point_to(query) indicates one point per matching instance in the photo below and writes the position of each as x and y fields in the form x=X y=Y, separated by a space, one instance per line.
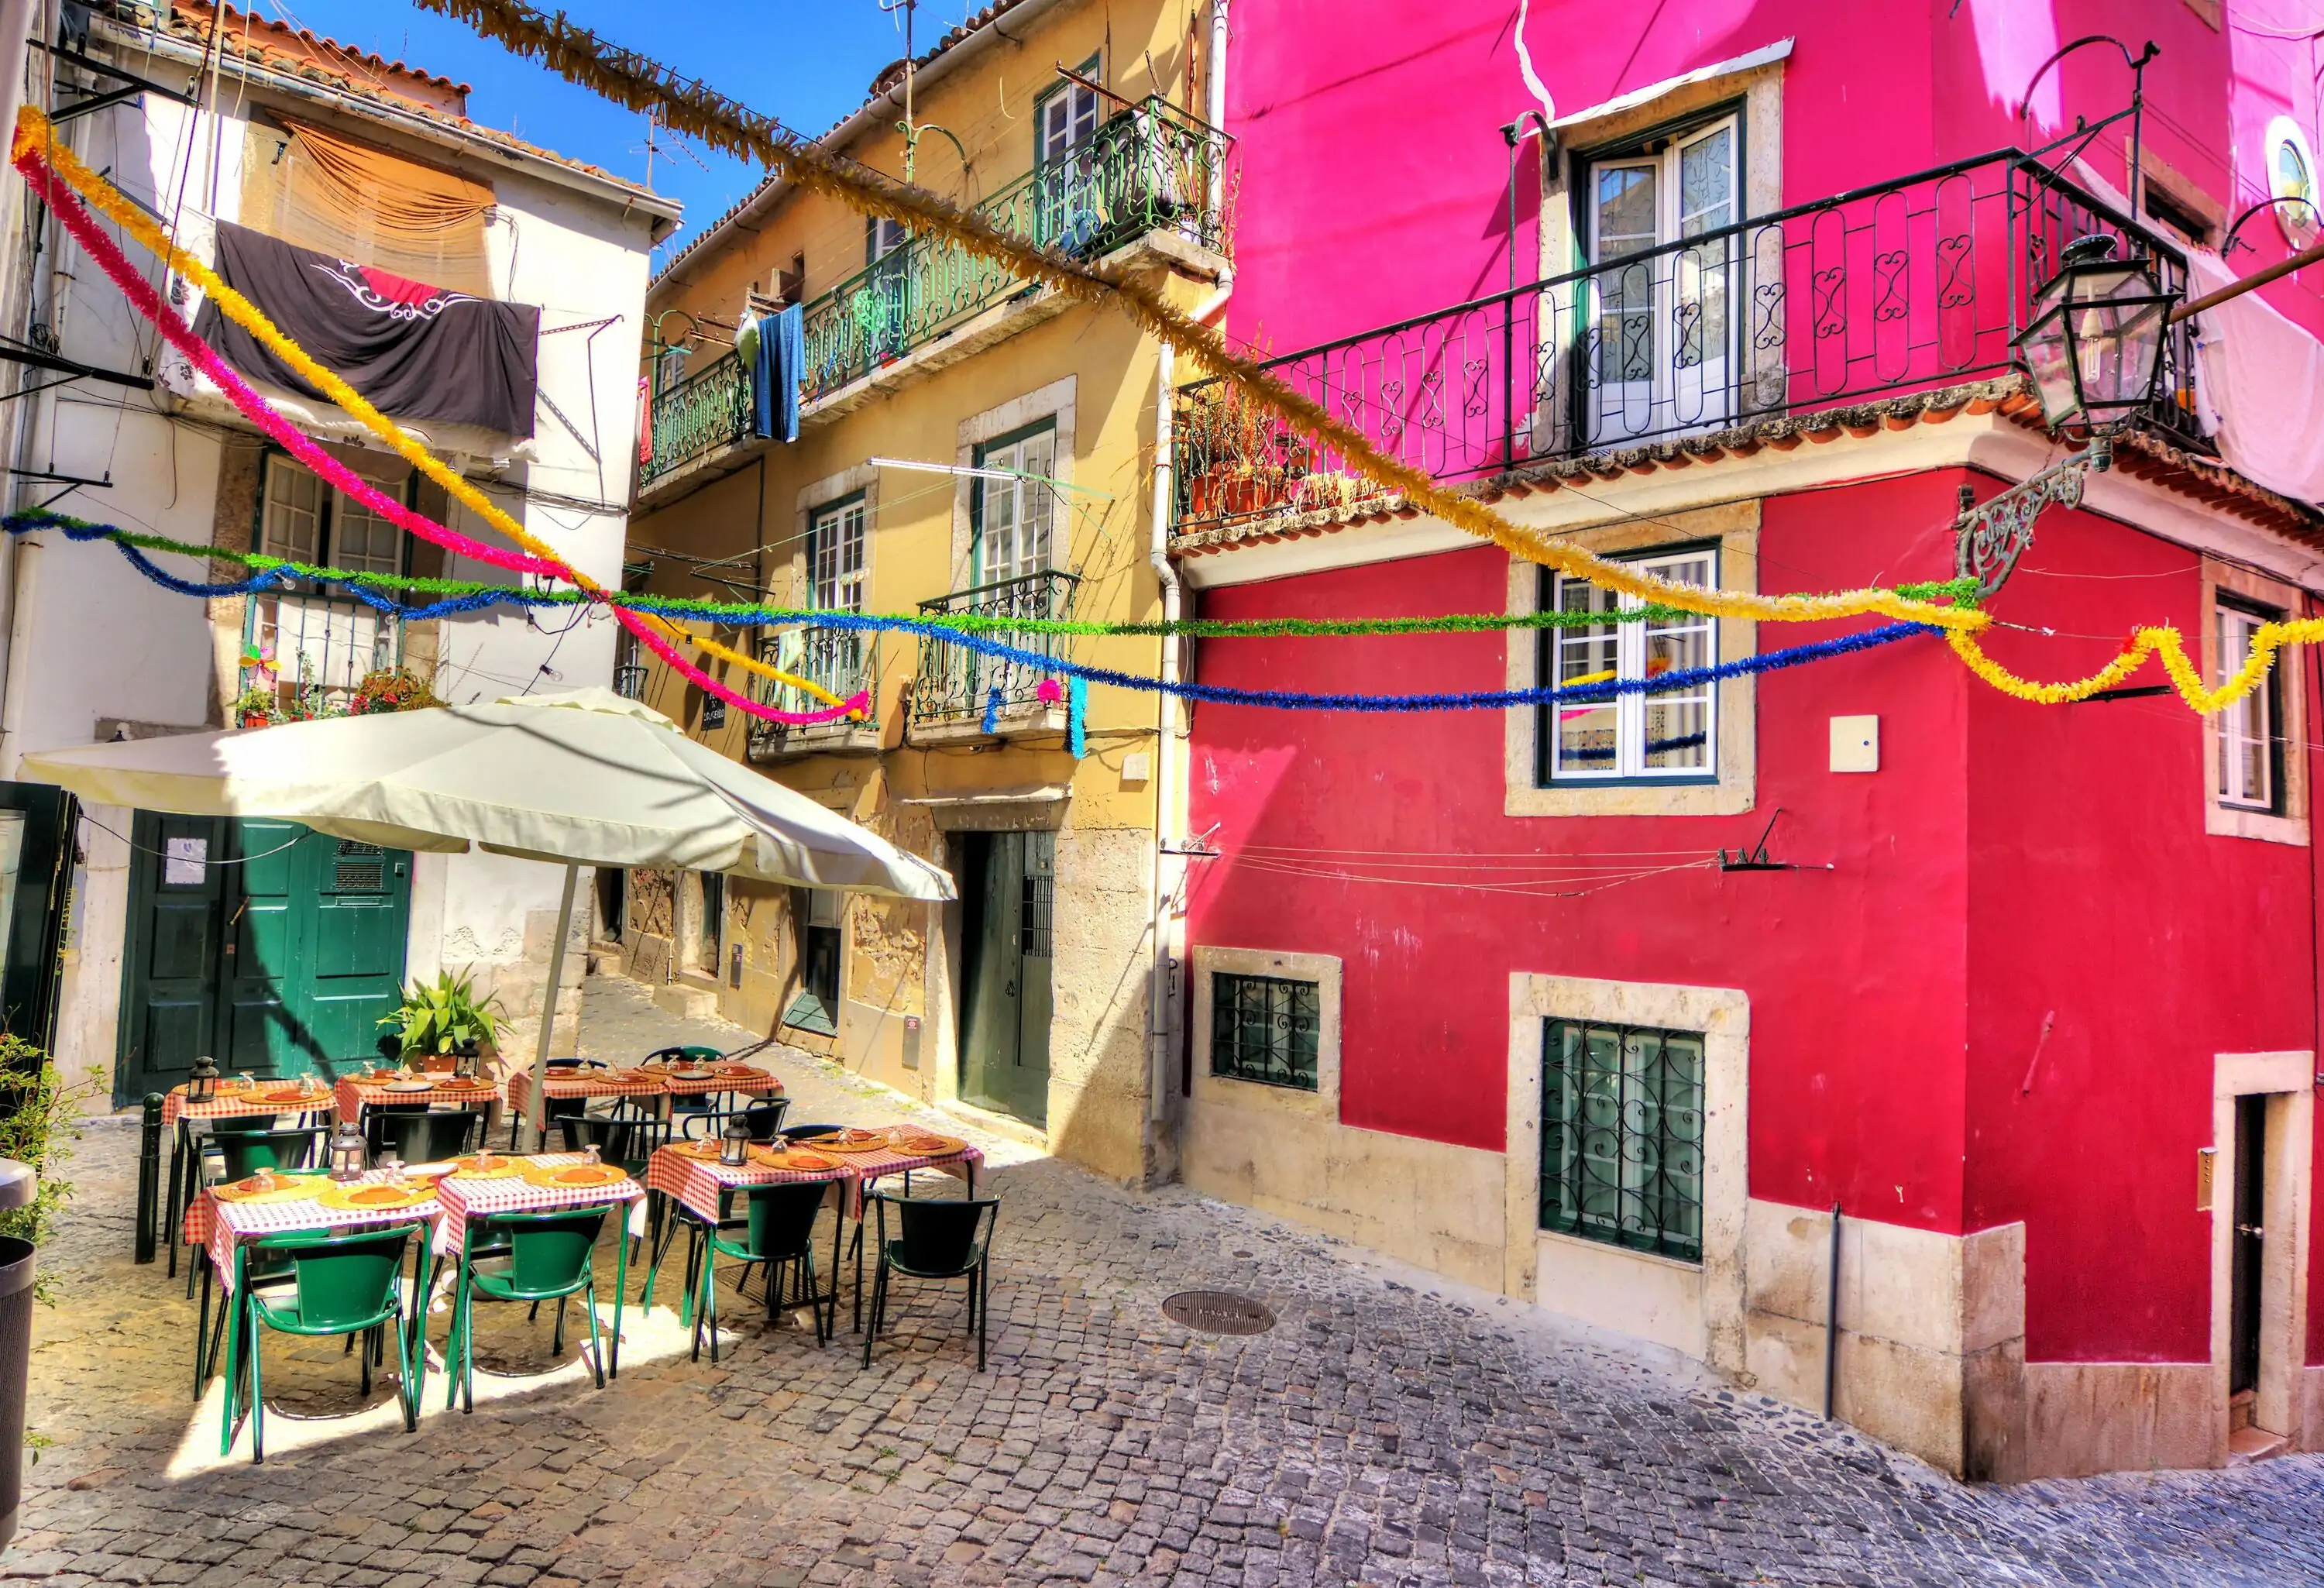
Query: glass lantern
x=201 y=1083
x=346 y=1153
x=734 y=1144
x=2094 y=346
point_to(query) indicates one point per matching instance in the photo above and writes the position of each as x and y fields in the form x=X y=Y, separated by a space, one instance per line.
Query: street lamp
x=2095 y=346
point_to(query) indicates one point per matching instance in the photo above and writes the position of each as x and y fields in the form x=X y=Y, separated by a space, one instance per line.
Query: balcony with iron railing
x=307 y=655
x=1148 y=169
x=1906 y=287
x=846 y=661
x=959 y=689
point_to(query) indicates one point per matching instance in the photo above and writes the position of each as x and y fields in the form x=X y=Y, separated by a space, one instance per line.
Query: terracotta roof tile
x=2140 y=455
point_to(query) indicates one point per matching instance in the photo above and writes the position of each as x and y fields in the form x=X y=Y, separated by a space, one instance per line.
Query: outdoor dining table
x=233 y=1099
x=638 y=1083
x=227 y=1227
x=401 y=1088
x=695 y=1178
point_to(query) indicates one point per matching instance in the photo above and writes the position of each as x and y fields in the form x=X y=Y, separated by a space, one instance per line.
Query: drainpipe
x=1169 y=810
x=1214 y=108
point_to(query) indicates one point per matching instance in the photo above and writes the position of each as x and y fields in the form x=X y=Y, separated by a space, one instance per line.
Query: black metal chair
x=935 y=1240
x=422 y=1135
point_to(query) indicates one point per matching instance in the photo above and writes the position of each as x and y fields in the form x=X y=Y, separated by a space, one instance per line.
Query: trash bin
x=18 y=1183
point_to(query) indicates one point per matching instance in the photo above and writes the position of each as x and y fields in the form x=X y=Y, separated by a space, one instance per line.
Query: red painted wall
x=2006 y=861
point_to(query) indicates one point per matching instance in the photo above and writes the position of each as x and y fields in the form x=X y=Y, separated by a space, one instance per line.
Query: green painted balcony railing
x=957 y=683
x=1148 y=168
x=843 y=660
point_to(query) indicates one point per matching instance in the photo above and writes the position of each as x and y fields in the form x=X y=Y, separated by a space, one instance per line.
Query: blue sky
x=807 y=62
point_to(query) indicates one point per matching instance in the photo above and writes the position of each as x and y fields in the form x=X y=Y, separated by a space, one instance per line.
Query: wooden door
x=272 y=947
x=359 y=900
x=1007 y=909
x=2247 y=1246
x=172 y=956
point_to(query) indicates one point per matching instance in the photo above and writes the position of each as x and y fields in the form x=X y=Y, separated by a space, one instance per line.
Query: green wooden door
x=1007 y=911
x=360 y=900
x=270 y=946
x=172 y=956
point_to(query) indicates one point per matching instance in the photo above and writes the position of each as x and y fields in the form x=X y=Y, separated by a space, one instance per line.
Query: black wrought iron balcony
x=1909 y=286
x=957 y=684
x=1148 y=168
x=844 y=661
x=629 y=681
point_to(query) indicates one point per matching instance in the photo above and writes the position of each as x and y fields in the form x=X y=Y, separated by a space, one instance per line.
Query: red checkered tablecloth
x=696 y=1182
x=240 y=1105
x=750 y=1082
x=584 y=1083
x=462 y=1198
x=223 y=1226
x=354 y=1095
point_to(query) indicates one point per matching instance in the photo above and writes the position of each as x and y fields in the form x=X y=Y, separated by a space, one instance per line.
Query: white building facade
x=274 y=952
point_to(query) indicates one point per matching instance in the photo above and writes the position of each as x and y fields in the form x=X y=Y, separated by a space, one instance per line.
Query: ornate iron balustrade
x=309 y=654
x=1148 y=168
x=1908 y=286
x=956 y=682
x=700 y=413
x=843 y=660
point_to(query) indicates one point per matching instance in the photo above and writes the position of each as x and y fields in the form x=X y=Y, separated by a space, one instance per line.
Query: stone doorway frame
x=2288 y=1081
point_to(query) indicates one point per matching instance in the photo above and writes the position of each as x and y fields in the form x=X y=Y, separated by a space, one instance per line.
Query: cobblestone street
x=1389 y=1430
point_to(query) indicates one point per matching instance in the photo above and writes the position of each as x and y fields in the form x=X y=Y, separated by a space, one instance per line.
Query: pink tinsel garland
x=143 y=296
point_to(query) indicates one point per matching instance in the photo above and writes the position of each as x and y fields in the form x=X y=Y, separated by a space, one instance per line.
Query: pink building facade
x=2027 y=993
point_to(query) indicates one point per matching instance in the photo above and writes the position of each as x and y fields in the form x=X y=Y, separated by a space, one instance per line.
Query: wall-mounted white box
x=1855 y=744
x=1136 y=767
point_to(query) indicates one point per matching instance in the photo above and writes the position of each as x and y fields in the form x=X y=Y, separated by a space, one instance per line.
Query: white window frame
x=300 y=516
x=2247 y=723
x=1631 y=642
x=1066 y=117
x=1032 y=530
x=836 y=565
x=2284 y=819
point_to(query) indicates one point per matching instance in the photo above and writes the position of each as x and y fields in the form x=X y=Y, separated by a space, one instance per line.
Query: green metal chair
x=548 y=1256
x=935 y=1239
x=698 y=1109
x=777 y=1229
x=253 y=1144
x=348 y=1284
x=260 y=1268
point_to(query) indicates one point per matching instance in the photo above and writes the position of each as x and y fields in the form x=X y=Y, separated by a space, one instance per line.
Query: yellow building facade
x=966 y=444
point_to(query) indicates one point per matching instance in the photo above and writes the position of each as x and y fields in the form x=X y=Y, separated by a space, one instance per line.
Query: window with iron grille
x=1263 y=1029
x=1622 y=1136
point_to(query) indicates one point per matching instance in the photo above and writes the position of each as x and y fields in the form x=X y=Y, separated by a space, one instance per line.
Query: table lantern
x=466 y=1059
x=201 y=1086
x=734 y=1144
x=347 y=1153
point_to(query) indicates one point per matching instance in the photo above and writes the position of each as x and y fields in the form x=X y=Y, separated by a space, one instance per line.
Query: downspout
x=1169 y=808
x=16 y=18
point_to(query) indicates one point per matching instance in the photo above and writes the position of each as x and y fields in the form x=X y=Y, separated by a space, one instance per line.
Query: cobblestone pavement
x=1390 y=1430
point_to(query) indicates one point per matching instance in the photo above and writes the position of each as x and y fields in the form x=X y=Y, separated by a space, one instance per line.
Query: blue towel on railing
x=775 y=375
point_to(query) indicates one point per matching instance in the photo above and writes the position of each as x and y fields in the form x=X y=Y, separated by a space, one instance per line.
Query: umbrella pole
x=540 y=1096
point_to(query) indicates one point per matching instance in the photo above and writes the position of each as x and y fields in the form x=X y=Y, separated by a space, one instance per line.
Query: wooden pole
x=540 y=1098
x=2258 y=278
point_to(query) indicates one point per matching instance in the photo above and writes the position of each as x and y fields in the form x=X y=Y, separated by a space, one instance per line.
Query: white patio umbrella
x=585 y=778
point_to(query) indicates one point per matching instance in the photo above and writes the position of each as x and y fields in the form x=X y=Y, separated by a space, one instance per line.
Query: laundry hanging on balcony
x=415 y=351
x=773 y=349
x=2256 y=374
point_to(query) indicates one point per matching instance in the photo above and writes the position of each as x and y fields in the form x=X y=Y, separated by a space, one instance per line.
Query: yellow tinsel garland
x=33 y=129
x=2143 y=644
x=635 y=80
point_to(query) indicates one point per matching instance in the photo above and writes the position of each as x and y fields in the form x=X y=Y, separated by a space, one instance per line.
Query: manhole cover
x=1218 y=1312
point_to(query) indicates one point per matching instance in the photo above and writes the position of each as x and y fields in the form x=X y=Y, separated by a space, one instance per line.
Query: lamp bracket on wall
x=1990 y=535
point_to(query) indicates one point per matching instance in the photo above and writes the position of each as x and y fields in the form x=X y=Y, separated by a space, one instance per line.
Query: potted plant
x=256 y=707
x=392 y=689
x=438 y=1019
